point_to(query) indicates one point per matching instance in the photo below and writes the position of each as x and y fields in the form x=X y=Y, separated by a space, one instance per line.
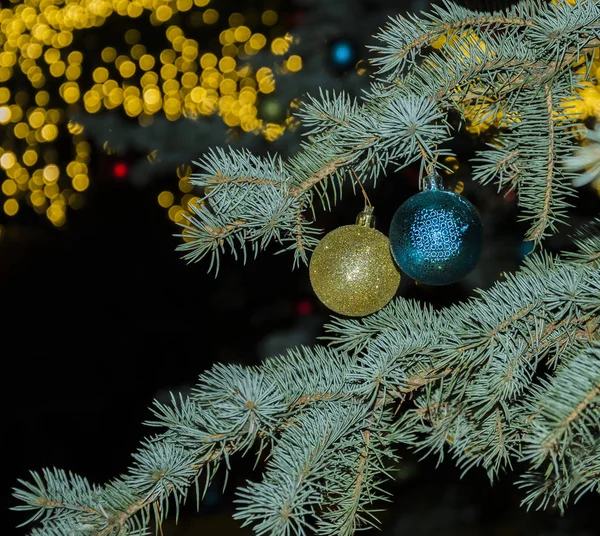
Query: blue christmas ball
x=436 y=237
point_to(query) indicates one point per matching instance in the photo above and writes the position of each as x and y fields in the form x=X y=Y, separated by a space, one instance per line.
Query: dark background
x=102 y=316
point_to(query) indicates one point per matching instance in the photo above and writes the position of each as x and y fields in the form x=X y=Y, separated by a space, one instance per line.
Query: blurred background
x=104 y=104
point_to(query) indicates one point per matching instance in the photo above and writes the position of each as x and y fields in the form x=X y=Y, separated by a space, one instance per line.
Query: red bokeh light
x=120 y=170
x=304 y=307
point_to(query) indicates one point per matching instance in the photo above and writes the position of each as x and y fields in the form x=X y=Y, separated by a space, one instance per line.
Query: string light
x=36 y=41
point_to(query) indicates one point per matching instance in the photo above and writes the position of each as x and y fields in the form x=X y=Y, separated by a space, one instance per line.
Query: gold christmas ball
x=352 y=271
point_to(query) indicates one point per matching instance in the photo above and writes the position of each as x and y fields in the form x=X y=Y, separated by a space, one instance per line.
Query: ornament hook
x=366 y=218
x=367 y=200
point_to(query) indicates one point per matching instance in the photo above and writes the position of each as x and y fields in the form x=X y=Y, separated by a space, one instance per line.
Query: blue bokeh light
x=343 y=54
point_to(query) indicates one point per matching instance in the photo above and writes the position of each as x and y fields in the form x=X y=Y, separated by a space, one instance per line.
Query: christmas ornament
x=436 y=236
x=343 y=54
x=352 y=271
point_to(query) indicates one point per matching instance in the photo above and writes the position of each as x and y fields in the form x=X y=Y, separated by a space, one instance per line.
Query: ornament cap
x=366 y=218
x=433 y=181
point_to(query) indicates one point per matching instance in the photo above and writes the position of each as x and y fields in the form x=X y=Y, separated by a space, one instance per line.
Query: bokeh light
x=44 y=50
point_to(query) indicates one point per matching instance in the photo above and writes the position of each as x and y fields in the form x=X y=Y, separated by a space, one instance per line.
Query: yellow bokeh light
x=133 y=106
x=56 y=215
x=210 y=16
x=11 y=207
x=263 y=72
x=134 y=10
x=189 y=80
x=227 y=37
x=37 y=198
x=208 y=60
x=168 y=71
x=80 y=182
x=127 y=69
x=242 y=34
x=53 y=116
x=30 y=157
x=198 y=94
x=172 y=106
x=184 y=5
x=7 y=160
x=21 y=130
x=115 y=97
x=185 y=185
x=280 y=46
x=294 y=63
x=108 y=54
x=73 y=72
x=49 y=132
x=42 y=98
x=176 y=213
x=166 y=199
x=57 y=69
x=40 y=41
x=149 y=78
x=71 y=94
x=164 y=13
x=100 y=75
x=5 y=114
x=227 y=64
x=64 y=39
x=173 y=32
x=269 y=17
x=236 y=19
x=9 y=187
x=51 y=56
x=132 y=36
x=258 y=41
x=152 y=96
x=189 y=53
x=227 y=87
x=51 y=173
x=147 y=62
x=167 y=56
x=36 y=119
x=51 y=191
x=75 y=57
x=137 y=51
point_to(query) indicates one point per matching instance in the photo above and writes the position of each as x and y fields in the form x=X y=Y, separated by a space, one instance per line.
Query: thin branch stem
x=537 y=232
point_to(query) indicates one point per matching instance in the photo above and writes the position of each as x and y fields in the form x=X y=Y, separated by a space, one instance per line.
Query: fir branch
x=320 y=174
x=458 y=376
x=543 y=219
x=405 y=37
x=564 y=433
x=498 y=60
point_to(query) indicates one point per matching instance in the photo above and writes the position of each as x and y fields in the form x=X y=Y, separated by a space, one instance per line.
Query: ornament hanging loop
x=367 y=200
x=429 y=169
x=366 y=218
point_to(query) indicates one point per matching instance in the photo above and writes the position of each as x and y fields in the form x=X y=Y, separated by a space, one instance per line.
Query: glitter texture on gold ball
x=352 y=271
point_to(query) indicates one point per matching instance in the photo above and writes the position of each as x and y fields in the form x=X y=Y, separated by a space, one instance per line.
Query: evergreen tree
x=507 y=382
